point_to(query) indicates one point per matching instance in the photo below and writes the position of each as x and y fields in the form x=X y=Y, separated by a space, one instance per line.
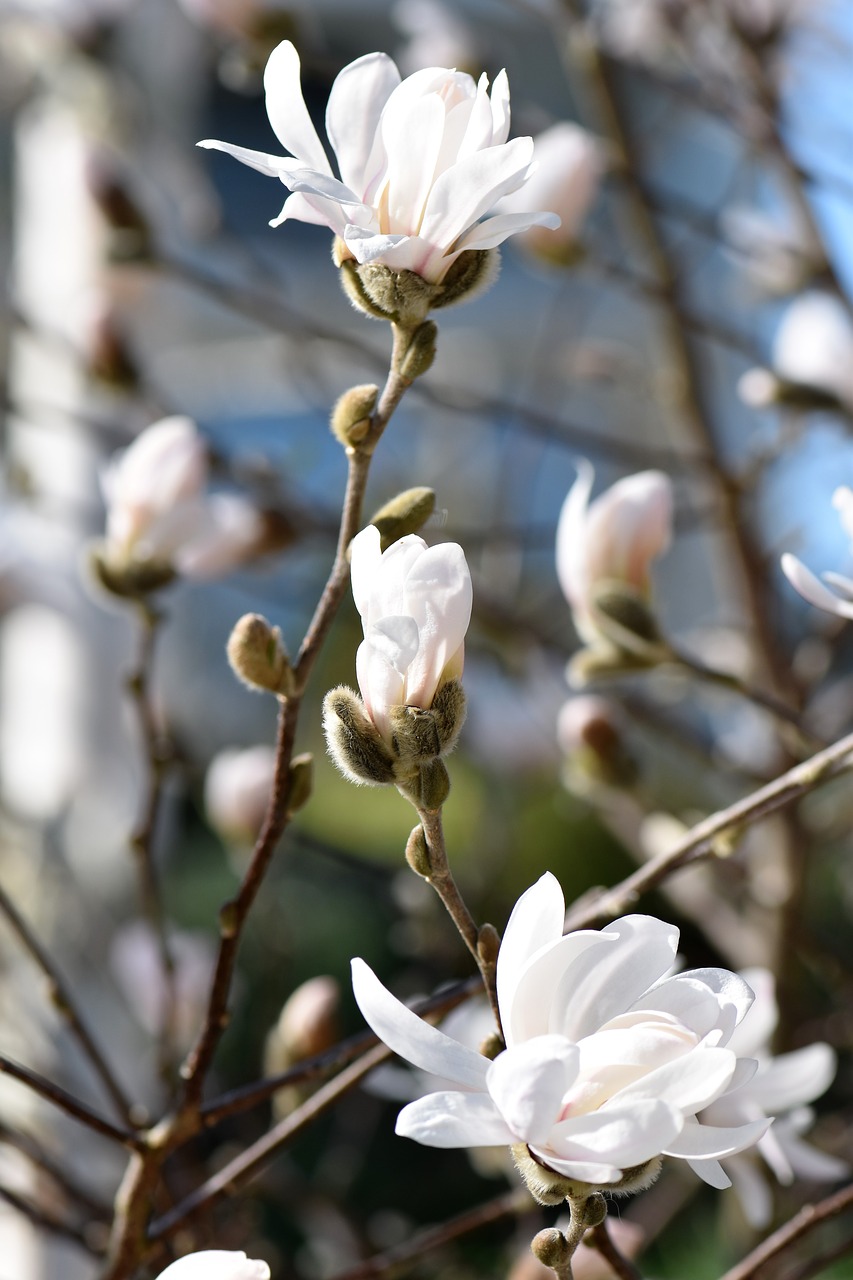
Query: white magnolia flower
x=216 y=1264
x=158 y=508
x=813 y=346
x=237 y=789
x=421 y=161
x=780 y=1088
x=612 y=540
x=415 y=606
x=569 y=165
x=608 y=1059
x=810 y=587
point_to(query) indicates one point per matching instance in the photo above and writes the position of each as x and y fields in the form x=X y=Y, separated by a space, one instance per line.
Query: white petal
x=794 y=1078
x=733 y=996
x=528 y=1082
x=216 y=1264
x=365 y=555
x=689 y=1001
x=355 y=105
x=411 y=169
x=707 y=1141
x=623 y=1136
x=305 y=208
x=396 y=639
x=411 y=1037
x=381 y=684
x=395 y=251
x=812 y=589
x=287 y=110
x=840 y=582
x=500 y=109
x=270 y=165
x=752 y=1190
x=712 y=1172
x=571 y=540
x=687 y=1083
x=438 y=595
x=454 y=1120
x=493 y=231
x=754 y=1033
x=537 y=919
x=465 y=192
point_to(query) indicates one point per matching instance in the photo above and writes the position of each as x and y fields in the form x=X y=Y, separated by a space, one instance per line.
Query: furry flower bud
x=258 y=657
x=407 y=513
x=352 y=412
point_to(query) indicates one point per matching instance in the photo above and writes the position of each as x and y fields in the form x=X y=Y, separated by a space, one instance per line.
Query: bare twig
x=70 y=1105
x=621 y=1266
x=783 y=1240
x=47 y=1222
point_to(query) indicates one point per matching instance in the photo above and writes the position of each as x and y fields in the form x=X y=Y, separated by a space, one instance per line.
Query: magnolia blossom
x=612 y=540
x=237 y=789
x=216 y=1264
x=569 y=163
x=421 y=161
x=810 y=587
x=780 y=1088
x=415 y=606
x=813 y=346
x=158 y=508
x=608 y=1060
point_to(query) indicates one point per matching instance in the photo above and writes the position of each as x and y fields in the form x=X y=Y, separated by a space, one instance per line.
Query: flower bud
x=552 y=1249
x=420 y=353
x=237 y=791
x=433 y=785
x=590 y=734
x=258 y=657
x=417 y=853
x=308 y=1022
x=129 y=580
x=488 y=944
x=352 y=413
x=473 y=272
x=301 y=782
x=353 y=741
x=625 y=619
x=407 y=513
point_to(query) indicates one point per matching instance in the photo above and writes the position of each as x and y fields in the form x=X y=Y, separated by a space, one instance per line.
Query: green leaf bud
x=353 y=741
x=420 y=353
x=301 y=781
x=407 y=513
x=258 y=657
x=552 y=1249
x=417 y=853
x=352 y=413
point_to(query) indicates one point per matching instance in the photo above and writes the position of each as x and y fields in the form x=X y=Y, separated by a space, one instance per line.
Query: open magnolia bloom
x=216 y=1264
x=781 y=1088
x=160 y=515
x=608 y=1060
x=420 y=161
x=810 y=587
x=609 y=544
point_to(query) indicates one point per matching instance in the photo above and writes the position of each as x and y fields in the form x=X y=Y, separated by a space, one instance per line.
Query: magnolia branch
x=66 y=1102
x=700 y=840
x=783 y=1240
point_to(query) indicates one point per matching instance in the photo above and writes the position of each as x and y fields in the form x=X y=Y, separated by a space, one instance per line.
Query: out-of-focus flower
x=216 y=1264
x=75 y=16
x=780 y=1088
x=234 y=17
x=237 y=791
x=608 y=1060
x=810 y=587
x=591 y=736
x=813 y=346
x=437 y=36
x=775 y=249
x=136 y=964
x=607 y=546
x=421 y=161
x=415 y=606
x=569 y=166
x=160 y=517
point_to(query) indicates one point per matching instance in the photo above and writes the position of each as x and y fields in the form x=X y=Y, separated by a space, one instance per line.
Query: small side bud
x=353 y=741
x=414 y=736
x=488 y=944
x=434 y=785
x=407 y=513
x=308 y=1022
x=491 y=1046
x=352 y=413
x=132 y=579
x=592 y=1211
x=352 y=286
x=419 y=355
x=301 y=781
x=552 y=1249
x=473 y=272
x=544 y=1184
x=228 y=920
x=258 y=657
x=449 y=708
x=417 y=853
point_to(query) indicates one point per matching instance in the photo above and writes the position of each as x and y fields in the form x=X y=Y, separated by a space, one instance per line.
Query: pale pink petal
x=812 y=589
x=707 y=1141
x=537 y=919
x=527 y=1084
x=352 y=118
x=840 y=582
x=411 y=169
x=301 y=207
x=480 y=125
x=412 y=1038
x=454 y=1120
x=287 y=110
x=399 y=252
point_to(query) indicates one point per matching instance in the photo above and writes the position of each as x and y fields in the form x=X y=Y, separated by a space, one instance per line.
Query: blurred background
x=693 y=316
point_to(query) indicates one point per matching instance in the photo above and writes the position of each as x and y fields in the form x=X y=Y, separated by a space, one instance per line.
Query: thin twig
x=27 y=1145
x=599 y=1238
x=66 y=1102
x=63 y=1000
x=700 y=840
x=41 y=1218
x=811 y=1216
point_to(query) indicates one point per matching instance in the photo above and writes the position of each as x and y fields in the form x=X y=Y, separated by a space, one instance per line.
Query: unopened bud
x=592 y=1211
x=552 y=1249
x=449 y=709
x=301 y=781
x=488 y=944
x=491 y=1046
x=420 y=353
x=601 y=662
x=407 y=513
x=258 y=657
x=353 y=741
x=474 y=271
x=308 y=1022
x=417 y=853
x=544 y=1184
x=434 y=784
x=626 y=620
x=590 y=734
x=352 y=412
x=130 y=579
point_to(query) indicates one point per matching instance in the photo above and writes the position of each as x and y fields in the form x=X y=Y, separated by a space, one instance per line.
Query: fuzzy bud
x=488 y=944
x=352 y=413
x=626 y=620
x=552 y=1249
x=353 y=741
x=419 y=355
x=472 y=273
x=433 y=784
x=407 y=513
x=258 y=657
x=406 y=298
x=301 y=781
x=417 y=853
x=131 y=579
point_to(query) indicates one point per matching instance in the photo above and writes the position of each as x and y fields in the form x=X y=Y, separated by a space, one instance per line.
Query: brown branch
x=62 y=999
x=599 y=1238
x=700 y=840
x=811 y=1216
x=395 y=1260
x=66 y=1102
